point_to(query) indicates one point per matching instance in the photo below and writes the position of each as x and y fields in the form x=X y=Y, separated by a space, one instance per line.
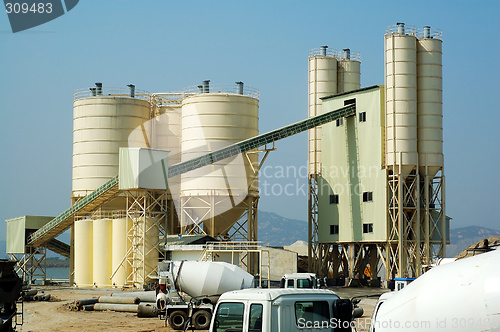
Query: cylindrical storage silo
x=102 y=249
x=430 y=102
x=101 y=125
x=151 y=253
x=83 y=253
x=348 y=72
x=322 y=83
x=216 y=193
x=401 y=99
x=121 y=244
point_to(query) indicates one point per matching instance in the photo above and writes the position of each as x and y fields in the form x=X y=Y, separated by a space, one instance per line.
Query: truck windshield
x=229 y=317
x=304 y=283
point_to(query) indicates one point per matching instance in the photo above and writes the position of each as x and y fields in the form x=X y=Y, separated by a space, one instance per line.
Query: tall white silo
x=83 y=253
x=121 y=245
x=401 y=98
x=101 y=125
x=103 y=119
x=102 y=252
x=322 y=82
x=216 y=194
x=430 y=101
x=348 y=71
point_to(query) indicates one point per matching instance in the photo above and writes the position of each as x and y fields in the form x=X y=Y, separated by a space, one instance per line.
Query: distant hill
x=463 y=237
x=280 y=231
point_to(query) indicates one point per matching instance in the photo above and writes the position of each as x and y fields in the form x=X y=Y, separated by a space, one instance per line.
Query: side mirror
x=357 y=312
x=342 y=313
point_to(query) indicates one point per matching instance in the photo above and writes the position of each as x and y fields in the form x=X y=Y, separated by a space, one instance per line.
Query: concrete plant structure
x=377 y=191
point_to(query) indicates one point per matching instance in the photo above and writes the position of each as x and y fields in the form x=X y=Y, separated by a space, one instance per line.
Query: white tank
x=101 y=125
x=83 y=253
x=430 y=101
x=322 y=83
x=121 y=244
x=460 y=296
x=401 y=98
x=210 y=278
x=211 y=121
x=102 y=251
x=348 y=72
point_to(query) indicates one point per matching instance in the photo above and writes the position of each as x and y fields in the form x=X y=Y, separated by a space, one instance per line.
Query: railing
x=109 y=91
x=409 y=30
x=353 y=56
x=57 y=221
x=216 y=88
x=430 y=33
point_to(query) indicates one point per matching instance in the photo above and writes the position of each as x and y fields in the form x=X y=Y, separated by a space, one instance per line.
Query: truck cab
x=299 y=280
x=281 y=310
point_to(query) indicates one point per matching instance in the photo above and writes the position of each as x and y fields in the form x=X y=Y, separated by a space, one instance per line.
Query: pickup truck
x=282 y=310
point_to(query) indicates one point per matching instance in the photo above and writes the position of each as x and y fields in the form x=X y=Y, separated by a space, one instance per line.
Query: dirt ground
x=55 y=315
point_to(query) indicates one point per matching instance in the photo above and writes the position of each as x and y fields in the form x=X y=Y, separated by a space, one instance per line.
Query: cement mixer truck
x=189 y=290
x=460 y=296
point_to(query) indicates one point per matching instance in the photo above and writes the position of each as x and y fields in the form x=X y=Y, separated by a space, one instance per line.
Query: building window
x=362 y=117
x=334 y=199
x=368 y=196
x=334 y=229
x=340 y=122
x=349 y=101
x=367 y=228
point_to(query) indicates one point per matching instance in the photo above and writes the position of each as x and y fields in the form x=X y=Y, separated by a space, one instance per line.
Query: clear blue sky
x=167 y=45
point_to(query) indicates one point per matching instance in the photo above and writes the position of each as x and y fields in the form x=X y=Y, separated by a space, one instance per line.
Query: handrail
x=110 y=92
x=218 y=88
x=318 y=52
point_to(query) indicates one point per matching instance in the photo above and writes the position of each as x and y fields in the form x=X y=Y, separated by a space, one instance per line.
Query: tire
x=177 y=319
x=201 y=320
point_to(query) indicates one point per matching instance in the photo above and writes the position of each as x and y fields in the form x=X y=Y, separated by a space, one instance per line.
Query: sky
x=164 y=46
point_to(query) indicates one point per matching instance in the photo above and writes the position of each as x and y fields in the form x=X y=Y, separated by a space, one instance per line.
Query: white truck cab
x=281 y=310
x=299 y=280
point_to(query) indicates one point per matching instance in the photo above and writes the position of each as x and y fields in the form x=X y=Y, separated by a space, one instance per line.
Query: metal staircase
x=63 y=221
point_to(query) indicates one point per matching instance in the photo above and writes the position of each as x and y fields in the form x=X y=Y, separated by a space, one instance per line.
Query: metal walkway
x=63 y=221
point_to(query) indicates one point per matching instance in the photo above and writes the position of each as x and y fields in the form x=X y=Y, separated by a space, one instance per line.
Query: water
x=57 y=273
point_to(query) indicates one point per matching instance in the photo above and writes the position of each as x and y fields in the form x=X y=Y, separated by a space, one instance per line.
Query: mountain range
x=277 y=230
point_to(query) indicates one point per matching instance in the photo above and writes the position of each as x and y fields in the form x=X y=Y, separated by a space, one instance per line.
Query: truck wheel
x=201 y=320
x=177 y=319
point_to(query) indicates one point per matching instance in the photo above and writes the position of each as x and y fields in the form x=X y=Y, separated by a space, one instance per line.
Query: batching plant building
x=377 y=204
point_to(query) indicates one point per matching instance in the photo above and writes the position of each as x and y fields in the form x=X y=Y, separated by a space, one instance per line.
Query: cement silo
x=348 y=71
x=401 y=98
x=217 y=195
x=430 y=101
x=103 y=119
x=322 y=83
x=101 y=125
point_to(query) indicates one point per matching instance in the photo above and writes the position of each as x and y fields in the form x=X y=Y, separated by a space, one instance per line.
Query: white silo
x=101 y=125
x=102 y=252
x=401 y=98
x=83 y=253
x=216 y=194
x=322 y=83
x=103 y=119
x=121 y=244
x=349 y=71
x=430 y=101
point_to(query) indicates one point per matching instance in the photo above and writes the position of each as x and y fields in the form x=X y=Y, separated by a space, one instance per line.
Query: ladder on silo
x=63 y=221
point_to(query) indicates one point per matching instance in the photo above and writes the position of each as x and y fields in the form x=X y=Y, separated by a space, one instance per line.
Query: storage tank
x=217 y=192
x=102 y=251
x=121 y=244
x=322 y=83
x=348 y=71
x=83 y=253
x=430 y=101
x=401 y=98
x=102 y=123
